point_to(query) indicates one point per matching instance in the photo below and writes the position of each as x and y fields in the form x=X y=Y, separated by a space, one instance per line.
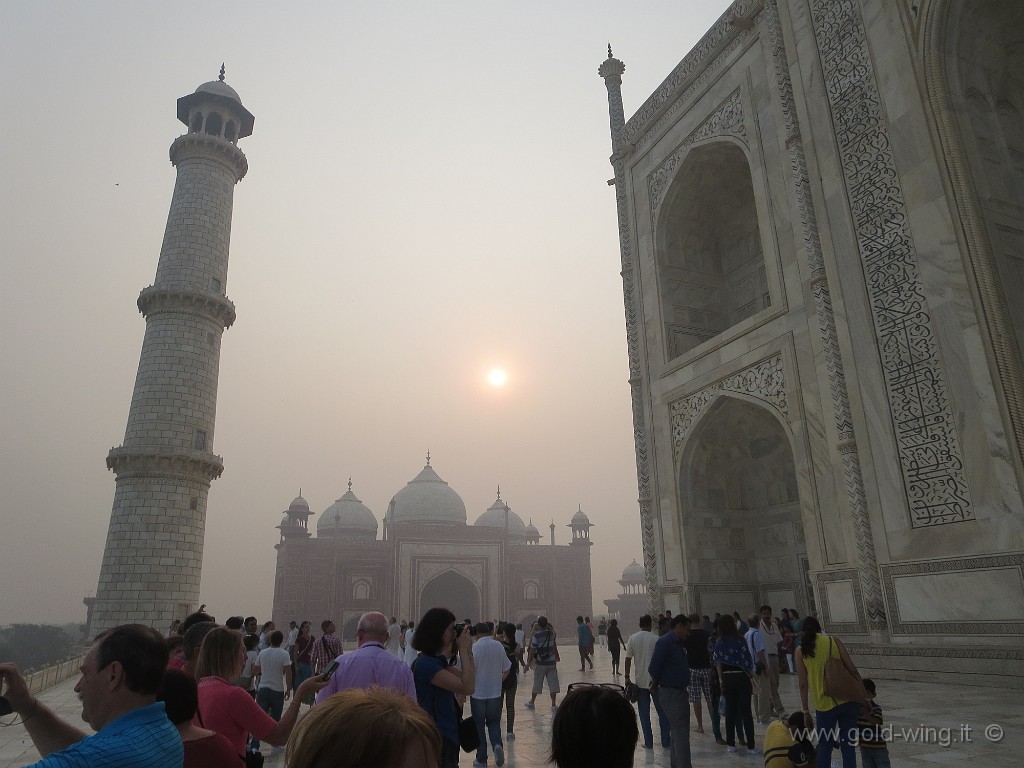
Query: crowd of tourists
x=415 y=694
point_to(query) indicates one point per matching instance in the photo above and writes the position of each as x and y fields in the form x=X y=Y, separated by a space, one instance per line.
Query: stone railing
x=42 y=679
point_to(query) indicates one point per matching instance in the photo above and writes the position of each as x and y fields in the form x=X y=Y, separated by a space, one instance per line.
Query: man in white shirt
x=755 y=644
x=520 y=645
x=768 y=700
x=492 y=667
x=639 y=650
x=293 y=635
x=274 y=667
x=394 y=646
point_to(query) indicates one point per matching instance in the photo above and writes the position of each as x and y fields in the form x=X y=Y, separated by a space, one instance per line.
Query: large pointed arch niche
x=740 y=509
x=453 y=591
x=988 y=99
x=711 y=267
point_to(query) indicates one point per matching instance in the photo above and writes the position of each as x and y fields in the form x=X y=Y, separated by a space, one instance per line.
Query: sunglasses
x=610 y=686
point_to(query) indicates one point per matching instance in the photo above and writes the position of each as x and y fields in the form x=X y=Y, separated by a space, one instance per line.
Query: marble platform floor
x=932 y=724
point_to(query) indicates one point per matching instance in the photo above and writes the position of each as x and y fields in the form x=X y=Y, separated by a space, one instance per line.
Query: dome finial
x=300 y=490
x=428 y=457
x=610 y=51
x=499 y=491
x=221 y=78
x=350 y=482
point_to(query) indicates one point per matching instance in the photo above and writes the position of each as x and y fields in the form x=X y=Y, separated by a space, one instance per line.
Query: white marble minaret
x=154 y=550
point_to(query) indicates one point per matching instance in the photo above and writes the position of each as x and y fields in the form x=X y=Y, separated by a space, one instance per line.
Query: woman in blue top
x=735 y=668
x=437 y=682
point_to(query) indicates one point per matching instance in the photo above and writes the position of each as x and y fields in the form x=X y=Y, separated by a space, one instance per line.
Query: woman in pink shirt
x=228 y=709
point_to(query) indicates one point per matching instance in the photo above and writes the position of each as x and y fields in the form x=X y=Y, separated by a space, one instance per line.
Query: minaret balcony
x=154 y=299
x=214 y=147
x=150 y=460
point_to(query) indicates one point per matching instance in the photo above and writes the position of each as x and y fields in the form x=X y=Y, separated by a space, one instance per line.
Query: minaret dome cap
x=220 y=88
x=217 y=93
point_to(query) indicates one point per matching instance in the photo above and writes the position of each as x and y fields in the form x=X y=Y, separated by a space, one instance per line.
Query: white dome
x=219 y=88
x=347 y=517
x=299 y=504
x=494 y=517
x=428 y=499
x=634 y=573
x=285 y=521
x=531 y=531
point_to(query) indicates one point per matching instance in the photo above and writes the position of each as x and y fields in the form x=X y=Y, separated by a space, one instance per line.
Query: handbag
x=840 y=682
x=469 y=739
x=253 y=759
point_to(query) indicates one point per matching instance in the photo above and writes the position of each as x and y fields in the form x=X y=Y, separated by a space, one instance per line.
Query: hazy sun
x=497 y=377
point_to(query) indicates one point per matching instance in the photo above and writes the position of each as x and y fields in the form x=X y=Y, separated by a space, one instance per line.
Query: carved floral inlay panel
x=764 y=381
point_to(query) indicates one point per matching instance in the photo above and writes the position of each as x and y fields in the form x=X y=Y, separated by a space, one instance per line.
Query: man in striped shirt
x=327 y=648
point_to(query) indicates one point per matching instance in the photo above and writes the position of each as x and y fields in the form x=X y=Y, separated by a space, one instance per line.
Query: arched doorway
x=741 y=521
x=453 y=591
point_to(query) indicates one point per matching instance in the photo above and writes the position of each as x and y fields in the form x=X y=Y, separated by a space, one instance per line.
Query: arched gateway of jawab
x=821 y=220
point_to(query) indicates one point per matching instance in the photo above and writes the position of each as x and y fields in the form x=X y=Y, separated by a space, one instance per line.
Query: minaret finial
x=610 y=51
x=221 y=78
x=499 y=490
x=428 y=457
x=350 y=482
x=300 y=490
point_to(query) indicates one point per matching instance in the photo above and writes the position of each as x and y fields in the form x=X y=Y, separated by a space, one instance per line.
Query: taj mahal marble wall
x=832 y=418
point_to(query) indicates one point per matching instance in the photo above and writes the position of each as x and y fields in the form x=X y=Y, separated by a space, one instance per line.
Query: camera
x=460 y=628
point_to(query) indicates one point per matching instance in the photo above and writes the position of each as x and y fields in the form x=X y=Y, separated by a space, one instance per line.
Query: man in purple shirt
x=371 y=663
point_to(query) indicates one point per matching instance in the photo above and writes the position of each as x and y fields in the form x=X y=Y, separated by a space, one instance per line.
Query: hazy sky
x=426 y=200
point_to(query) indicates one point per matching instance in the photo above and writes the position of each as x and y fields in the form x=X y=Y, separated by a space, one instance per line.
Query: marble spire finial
x=350 y=482
x=610 y=51
x=428 y=457
x=221 y=78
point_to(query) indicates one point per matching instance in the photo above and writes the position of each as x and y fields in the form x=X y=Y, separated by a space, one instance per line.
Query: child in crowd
x=873 y=751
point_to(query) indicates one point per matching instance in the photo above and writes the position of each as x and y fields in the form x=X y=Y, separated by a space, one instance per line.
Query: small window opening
x=213 y=124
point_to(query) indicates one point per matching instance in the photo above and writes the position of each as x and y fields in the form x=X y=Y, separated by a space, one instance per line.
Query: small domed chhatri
x=580 y=518
x=347 y=517
x=633 y=574
x=215 y=109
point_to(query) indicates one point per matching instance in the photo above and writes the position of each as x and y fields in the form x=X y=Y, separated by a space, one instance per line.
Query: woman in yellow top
x=835 y=720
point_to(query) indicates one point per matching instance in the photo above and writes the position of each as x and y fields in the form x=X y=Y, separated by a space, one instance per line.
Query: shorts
x=700 y=684
x=544 y=672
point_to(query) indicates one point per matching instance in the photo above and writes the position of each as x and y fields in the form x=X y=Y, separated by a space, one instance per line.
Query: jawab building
x=425 y=555
x=821 y=219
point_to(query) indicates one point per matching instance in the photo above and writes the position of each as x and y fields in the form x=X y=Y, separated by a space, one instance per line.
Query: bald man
x=371 y=663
